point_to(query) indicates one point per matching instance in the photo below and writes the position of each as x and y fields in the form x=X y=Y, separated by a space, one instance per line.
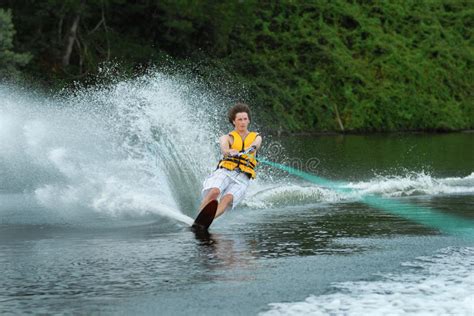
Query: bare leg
x=213 y=194
x=225 y=202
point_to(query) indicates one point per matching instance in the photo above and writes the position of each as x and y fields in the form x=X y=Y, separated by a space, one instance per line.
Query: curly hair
x=238 y=108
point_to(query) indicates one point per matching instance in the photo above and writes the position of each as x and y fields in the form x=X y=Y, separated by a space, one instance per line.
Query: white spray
x=134 y=148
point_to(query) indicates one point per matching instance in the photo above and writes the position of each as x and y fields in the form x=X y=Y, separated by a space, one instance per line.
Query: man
x=232 y=176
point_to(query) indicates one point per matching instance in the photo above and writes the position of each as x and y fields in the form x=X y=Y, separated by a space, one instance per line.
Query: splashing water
x=134 y=148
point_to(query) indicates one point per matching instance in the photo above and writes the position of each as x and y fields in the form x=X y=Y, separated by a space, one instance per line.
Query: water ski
x=206 y=216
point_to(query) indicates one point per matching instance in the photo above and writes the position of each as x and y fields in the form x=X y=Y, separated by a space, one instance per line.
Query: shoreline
x=362 y=133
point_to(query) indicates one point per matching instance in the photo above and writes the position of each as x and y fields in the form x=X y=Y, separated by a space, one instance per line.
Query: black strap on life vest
x=240 y=160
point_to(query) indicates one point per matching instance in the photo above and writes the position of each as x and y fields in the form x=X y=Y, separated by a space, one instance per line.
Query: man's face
x=241 y=121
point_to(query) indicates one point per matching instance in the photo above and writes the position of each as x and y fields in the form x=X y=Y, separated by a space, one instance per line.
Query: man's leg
x=212 y=194
x=225 y=202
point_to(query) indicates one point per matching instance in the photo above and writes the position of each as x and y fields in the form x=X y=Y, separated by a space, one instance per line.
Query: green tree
x=9 y=60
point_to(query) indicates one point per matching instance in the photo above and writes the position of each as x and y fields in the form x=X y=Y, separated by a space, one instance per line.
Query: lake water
x=96 y=202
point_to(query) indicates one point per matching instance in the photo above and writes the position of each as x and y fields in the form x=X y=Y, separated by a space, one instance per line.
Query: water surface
x=100 y=223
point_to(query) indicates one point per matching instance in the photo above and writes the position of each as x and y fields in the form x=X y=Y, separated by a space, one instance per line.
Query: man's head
x=239 y=116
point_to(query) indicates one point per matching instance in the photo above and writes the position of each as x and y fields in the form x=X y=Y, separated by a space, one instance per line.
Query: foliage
x=9 y=60
x=385 y=66
x=360 y=65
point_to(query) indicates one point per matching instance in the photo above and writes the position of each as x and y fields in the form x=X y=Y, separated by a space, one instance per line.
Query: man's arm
x=257 y=143
x=224 y=142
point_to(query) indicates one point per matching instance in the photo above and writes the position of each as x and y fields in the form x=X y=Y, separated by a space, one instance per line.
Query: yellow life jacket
x=246 y=163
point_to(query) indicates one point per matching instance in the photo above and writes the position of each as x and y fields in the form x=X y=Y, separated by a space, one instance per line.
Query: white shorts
x=228 y=182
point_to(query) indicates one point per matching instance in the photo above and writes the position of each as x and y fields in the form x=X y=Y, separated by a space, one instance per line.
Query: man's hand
x=231 y=152
x=250 y=149
x=256 y=143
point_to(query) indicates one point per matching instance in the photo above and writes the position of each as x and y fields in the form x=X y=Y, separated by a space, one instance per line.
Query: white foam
x=442 y=284
x=414 y=184
x=264 y=195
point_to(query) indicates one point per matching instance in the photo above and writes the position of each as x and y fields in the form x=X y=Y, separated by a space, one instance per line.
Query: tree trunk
x=71 y=38
x=106 y=32
x=338 y=117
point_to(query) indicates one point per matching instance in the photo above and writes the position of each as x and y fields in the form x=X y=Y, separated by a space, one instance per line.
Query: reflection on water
x=112 y=265
x=225 y=258
x=357 y=157
x=324 y=231
x=43 y=265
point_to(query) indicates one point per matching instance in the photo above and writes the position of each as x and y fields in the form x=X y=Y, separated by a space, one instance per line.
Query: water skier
x=235 y=170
